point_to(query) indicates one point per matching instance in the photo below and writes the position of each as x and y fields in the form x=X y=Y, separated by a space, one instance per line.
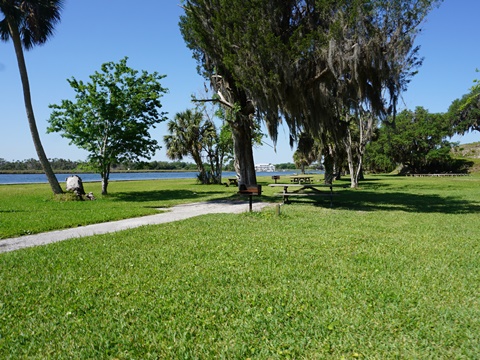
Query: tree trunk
x=104 y=185
x=365 y=130
x=328 y=165
x=351 y=161
x=105 y=173
x=243 y=150
x=197 y=158
x=216 y=162
x=218 y=179
x=337 y=170
x=241 y=126
x=42 y=157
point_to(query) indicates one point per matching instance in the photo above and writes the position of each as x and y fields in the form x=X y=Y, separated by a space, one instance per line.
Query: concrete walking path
x=179 y=212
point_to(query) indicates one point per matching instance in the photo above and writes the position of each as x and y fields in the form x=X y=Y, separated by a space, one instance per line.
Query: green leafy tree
x=464 y=113
x=112 y=116
x=418 y=142
x=377 y=155
x=28 y=23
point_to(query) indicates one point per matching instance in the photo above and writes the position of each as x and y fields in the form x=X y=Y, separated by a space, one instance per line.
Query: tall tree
x=186 y=135
x=28 y=23
x=464 y=113
x=112 y=116
x=374 y=60
x=210 y=29
x=312 y=64
x=359 y=133
x=352 y=60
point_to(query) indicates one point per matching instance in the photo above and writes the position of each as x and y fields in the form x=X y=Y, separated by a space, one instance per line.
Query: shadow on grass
x=368 y=199
x=421 y=203
x=164 y=195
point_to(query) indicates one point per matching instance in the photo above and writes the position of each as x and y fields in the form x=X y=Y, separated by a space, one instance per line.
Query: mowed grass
x=32 y=208
x=392 y=270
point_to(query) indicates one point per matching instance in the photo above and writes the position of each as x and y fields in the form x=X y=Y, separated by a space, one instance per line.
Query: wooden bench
x=250 y=191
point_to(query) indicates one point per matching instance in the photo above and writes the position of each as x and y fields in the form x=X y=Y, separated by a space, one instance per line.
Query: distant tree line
x=285 y=166
x=84 y=166
x=34 y=165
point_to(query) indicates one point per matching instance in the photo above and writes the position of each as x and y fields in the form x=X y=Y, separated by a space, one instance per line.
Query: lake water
x=41 y=178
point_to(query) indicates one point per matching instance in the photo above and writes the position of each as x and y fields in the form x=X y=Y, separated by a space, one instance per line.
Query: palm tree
x=28 y=23
x=186 y=138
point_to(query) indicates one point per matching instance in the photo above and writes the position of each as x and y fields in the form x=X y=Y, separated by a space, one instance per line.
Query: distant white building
x=265 y=167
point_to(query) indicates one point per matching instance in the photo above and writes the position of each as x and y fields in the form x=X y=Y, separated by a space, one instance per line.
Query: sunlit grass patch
x=32 y=208
x=391 y=276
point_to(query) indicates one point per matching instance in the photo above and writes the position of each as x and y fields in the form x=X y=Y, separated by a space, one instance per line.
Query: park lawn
x=391 y=271
x=32 y=208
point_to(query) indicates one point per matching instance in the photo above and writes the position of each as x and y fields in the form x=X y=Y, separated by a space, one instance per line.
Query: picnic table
x=304 y=190
x=233 y=181
x=299 y=179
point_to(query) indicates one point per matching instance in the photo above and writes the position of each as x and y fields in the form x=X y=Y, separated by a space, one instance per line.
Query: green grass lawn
x=32 y=208
x=391 y=271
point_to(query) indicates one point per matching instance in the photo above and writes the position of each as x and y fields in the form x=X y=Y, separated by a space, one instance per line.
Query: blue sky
x=93 y=32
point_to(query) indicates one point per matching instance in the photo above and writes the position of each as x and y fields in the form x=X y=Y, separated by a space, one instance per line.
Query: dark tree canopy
x=312 y=64
x=209 y=31
x=35 y=20
x=297 y=59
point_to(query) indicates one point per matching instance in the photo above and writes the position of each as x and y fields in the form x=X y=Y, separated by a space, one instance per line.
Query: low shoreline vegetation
x=392 y=270
x=89 y=171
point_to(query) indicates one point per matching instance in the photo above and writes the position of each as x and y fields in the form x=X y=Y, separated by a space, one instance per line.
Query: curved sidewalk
x=175 y=213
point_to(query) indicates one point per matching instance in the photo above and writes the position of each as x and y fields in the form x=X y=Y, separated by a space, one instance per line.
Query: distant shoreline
x=88 y=171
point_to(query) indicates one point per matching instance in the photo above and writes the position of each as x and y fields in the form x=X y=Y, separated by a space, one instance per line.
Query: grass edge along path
x=31 y=208
x=176 y=213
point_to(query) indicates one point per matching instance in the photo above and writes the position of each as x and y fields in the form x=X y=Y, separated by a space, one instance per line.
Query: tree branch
x=221 y=99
